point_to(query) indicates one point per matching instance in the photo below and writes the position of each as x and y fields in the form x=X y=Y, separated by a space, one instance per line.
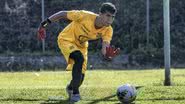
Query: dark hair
x=108 y=7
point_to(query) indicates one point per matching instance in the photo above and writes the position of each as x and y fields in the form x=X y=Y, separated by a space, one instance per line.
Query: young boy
x=73 y=40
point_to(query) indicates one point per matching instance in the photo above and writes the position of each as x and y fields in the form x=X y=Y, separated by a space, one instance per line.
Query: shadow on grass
x=65 y=101
x=39 y=100
x=162 y=99
x=20 y=99
x=102 y=99
x=108 y=98
x=56 y=102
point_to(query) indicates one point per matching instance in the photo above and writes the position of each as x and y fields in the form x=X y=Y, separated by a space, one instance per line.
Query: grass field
x=99 y=87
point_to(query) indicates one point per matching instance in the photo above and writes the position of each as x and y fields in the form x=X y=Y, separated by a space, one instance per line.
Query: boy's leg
x=77 y=70
x=69 y=88
x=76 y=74
x=71 y=51
x=84 y=52
x=71 y=83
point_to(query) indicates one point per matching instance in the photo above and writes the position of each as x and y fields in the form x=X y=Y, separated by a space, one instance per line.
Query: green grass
x=99 y=87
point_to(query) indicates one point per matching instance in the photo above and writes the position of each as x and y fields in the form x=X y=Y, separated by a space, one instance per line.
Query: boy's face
x=107 y=18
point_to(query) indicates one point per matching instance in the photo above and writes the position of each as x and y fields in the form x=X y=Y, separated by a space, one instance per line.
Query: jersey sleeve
x=107 y=37
x=75 y=15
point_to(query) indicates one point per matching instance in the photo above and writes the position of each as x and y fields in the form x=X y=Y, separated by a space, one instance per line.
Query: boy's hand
x=41 y=33
x=111 y=52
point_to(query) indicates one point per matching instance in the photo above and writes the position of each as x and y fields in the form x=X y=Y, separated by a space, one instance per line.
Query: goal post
x=166 y=17
x=43 y=11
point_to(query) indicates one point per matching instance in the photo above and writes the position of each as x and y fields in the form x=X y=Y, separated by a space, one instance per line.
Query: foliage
x=20 y=19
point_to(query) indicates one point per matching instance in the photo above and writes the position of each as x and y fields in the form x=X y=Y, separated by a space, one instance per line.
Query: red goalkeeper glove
x=41 y=34
x=111 y=52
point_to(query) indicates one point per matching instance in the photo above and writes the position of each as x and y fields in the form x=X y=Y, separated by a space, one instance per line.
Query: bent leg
x=77 y=70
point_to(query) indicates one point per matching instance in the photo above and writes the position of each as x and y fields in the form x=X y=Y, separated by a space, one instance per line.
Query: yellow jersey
x=82 y=29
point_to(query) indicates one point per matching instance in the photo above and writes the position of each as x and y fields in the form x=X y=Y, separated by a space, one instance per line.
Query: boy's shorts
x=67 y=48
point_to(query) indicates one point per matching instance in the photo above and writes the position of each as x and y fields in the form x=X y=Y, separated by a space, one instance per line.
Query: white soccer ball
x=126 y=93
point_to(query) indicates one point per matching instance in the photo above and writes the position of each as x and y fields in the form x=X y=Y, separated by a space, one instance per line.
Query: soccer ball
x=126 y=93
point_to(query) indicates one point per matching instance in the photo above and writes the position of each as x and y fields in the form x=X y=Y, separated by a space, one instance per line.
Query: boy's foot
x=75 y=98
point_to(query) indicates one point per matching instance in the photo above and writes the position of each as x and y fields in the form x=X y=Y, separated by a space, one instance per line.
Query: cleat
x=75 y=98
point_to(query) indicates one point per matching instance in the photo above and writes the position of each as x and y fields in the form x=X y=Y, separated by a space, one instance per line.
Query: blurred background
x=138 y=31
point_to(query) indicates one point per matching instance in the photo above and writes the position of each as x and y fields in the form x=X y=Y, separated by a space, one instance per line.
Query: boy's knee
x=77 y=56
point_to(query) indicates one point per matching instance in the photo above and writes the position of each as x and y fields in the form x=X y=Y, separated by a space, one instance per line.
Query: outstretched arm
x=41 y=34
x=58 y=15
x=53 y=18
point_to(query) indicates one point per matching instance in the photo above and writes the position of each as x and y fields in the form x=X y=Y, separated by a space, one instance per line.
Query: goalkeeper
x=73 y=40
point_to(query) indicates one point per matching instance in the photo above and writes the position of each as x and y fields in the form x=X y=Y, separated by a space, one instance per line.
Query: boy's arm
x=104 y=45
x=58 y=15
x=41 y=34
x=53 y=18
